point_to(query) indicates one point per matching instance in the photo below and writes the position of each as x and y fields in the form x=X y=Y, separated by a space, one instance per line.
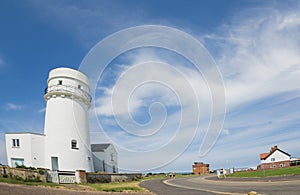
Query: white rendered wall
x=38 y=150
x=31 y=149
x=279 y=156
x=66 y=119
x=99 y=157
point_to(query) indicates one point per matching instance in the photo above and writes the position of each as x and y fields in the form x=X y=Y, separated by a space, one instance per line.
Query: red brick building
x=200 y=168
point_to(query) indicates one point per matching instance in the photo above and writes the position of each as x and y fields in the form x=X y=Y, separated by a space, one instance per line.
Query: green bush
x=24 y=167
x=41 y=172
x=34 y=179
x=16 y=177
x=137 y=178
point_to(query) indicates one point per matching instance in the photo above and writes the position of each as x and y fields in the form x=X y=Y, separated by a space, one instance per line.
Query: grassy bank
x=16 y=181
x=118 y=187
x=269 y=173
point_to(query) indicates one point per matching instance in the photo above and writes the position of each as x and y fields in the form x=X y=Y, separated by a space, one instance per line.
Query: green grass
x=269 y=173
x=15 y=181
x=132 y=186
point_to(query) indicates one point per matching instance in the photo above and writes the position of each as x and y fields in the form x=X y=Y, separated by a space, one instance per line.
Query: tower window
x=74 y=144
x=60 y=82
x=15 y=142
x=79 y=87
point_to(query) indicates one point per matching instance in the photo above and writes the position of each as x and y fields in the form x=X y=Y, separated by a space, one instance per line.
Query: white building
x=65 y=144
x=105 y=158
x=276 y=158
x=25 y=149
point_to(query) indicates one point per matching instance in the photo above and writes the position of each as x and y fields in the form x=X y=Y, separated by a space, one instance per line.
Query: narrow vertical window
x=79 y=87
x=60 y=82
x=15 y=142
x=74 y=144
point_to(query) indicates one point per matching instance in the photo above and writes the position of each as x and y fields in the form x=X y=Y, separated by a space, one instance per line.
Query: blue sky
x=256 y=45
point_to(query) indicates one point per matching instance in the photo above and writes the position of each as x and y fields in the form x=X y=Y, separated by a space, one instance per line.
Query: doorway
x=54 y=163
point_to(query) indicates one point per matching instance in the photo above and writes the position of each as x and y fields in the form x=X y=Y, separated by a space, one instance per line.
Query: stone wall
x=116 y=177
x=23 y=174
x=81 y=176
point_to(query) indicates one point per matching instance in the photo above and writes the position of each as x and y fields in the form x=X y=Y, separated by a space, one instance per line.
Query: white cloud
x=89 y=23
x=259 y=54
x=173 y=85
x=2 y=62
x=260 y=62
x=12 y=106
x=225 y=131
x=42 y=110
x=259 y=58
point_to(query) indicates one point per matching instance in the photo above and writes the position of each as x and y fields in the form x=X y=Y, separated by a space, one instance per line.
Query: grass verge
x=269 y=173
x=132 y=186
x=15 y=181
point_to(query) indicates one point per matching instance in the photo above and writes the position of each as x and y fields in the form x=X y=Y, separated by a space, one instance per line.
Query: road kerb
x=206 y=190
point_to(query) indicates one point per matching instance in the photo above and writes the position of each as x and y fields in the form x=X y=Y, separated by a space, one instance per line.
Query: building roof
x=99 y=147
x=25 y=133
x=264 y=156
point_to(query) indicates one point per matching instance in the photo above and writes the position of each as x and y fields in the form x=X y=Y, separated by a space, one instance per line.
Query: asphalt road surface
x=13 y=189
x=200 y=185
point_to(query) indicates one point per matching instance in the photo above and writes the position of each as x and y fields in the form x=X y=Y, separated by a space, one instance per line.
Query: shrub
x=16 y=177
x=41 y=172
x=137 y=178
x=34 y=179
x=24 y=167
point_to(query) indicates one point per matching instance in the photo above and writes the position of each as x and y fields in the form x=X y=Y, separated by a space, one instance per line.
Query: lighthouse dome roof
x=68 y=73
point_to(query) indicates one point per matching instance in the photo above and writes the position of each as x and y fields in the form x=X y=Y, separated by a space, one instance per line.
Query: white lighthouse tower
x=67 y=141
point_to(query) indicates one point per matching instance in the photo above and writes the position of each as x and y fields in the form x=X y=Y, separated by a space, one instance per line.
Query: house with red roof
x=276 y=158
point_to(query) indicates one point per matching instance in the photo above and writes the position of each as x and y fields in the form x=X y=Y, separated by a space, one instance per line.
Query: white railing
x=68 y=89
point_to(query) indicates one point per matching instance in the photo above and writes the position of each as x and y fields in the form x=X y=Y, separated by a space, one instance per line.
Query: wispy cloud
x=2 y=61
x=42 y=110
x=88 y=24
x=259 y=59
x=259 y=54
x=12 y=106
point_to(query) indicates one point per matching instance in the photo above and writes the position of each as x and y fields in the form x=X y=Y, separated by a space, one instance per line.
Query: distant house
x=200 y=168
x=276 y=158
x=104 y=158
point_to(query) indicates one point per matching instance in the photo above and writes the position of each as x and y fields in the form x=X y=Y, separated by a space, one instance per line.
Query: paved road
x=13 y=189
x=200 y=185
x=158 y=186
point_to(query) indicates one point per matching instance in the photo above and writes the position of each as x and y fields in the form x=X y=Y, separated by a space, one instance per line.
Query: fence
x=61 y=177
